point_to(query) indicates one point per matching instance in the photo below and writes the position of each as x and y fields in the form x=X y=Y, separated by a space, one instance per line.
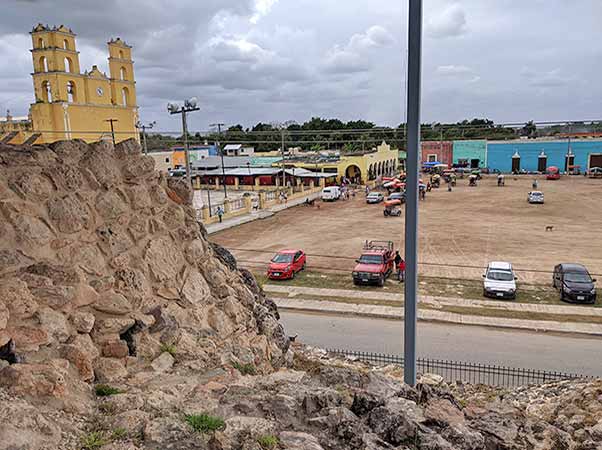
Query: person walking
x=220 y=213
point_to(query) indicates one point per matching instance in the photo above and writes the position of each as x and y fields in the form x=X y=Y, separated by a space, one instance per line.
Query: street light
x=140 y=125
x=189 y=106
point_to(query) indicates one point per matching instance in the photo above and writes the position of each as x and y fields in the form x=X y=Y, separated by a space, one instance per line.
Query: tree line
x=319 y=134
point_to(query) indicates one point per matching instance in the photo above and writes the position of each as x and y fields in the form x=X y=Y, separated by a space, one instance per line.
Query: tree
x=529 y=130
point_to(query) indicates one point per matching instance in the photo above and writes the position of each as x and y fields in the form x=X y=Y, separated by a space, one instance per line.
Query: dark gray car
x=574 y=283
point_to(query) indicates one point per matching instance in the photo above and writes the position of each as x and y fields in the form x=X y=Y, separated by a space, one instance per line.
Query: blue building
x=530 y=155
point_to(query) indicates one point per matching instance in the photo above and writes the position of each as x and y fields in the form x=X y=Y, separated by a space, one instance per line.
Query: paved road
x=444 y=341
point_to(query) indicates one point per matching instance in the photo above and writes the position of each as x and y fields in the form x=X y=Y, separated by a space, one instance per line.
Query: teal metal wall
x=470 y=150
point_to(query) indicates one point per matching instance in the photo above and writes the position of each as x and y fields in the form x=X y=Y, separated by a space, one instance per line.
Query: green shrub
x=245 y=369
x=104 y=390
x=268 y=442
x=204 y=423
x=168 y=348
x=94 y=440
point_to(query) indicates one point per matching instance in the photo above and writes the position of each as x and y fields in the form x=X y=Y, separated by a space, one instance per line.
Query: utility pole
x=140 y=125
x=411 y=213
x=112 y=129
x=221 y=152
x=208 y=192
x=190 y=105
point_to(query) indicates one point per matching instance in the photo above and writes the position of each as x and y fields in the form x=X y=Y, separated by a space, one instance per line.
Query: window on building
x=66 y=44
x=46 y=92
x=41 y=43
x=123 y=73
x=125 y=97
x=68 y=65
x=43 y=64
x=432 y=158
x=71 y=97
x=120 y=54
x=166 y=160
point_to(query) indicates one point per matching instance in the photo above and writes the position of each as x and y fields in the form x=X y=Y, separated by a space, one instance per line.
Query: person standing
x=220 y=213
x=401 y=267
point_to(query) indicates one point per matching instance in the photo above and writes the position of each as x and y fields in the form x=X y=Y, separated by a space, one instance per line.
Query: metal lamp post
x=411 y=213
x=190 y=105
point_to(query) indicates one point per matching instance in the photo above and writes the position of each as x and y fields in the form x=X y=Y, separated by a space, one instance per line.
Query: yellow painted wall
x=382 y=161
x=95 y=97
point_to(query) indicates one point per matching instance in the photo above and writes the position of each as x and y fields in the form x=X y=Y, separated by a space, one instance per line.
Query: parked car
x=331 y=193
x=535 y=197
x=375 y=264
x=286 y=263
x=595 y=172
x=401 y=196
x=374 y=197
x=574 y=283
x=499 y=280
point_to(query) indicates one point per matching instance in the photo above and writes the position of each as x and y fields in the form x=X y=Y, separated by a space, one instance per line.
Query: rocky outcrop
x=123 y=328
x=103 y=265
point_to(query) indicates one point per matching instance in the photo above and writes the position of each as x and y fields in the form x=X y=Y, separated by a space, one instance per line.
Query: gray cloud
x=268 y=60
x=451 y=21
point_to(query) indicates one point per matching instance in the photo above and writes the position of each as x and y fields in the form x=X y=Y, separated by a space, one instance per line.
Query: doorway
x=542 y=164
x=515 y=164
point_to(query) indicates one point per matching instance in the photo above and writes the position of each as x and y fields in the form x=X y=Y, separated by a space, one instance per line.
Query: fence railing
x=467 y=372
x=237 y=204
x=271 y=195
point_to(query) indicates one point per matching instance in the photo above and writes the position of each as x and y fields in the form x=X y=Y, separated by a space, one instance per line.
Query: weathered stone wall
x=103 y=265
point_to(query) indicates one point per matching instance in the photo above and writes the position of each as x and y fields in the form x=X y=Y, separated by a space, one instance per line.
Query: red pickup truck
x=375 y=264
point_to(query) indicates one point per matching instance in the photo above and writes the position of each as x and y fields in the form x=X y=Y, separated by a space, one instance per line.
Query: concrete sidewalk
x=261 y=214
x=300 y=291
x=396 y=313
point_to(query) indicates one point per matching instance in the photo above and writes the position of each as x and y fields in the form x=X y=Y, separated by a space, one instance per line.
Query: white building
x=238 y=150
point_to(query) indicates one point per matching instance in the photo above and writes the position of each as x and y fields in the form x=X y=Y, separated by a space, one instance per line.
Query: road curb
x=396 y=313
x=574 y=310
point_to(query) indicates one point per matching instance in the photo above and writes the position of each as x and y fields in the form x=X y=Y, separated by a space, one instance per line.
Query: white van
x=331 y=193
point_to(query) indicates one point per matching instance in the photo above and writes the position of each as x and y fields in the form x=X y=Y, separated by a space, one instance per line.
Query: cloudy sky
x=276 y=60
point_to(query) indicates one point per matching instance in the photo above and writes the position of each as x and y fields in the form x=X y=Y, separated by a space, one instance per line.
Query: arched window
x=71 y=93
x=41 y=43
x=66 y=44
x=120 y=54
x=46 y=92
x=123 y=73
x=125 y=96
x=43 y=64
x=68 y=65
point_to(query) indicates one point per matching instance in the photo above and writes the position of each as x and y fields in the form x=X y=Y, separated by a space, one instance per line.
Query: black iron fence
x=467 y=372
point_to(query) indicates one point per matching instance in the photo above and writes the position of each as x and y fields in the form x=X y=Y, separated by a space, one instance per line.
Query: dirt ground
x=467 y=227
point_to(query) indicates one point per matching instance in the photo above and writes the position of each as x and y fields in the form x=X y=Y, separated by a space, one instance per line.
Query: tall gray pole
x=187 y=156
x=411 y=217
x=282 y=153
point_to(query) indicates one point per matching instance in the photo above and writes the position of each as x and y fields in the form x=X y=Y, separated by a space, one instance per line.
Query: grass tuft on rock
x=119 y=433
x=204 y=423
x=245 y=369
x=94 y=440
x=104 y=390
x=268 y=442
x=168 y=348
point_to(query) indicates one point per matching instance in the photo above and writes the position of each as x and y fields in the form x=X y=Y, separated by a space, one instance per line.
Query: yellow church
x=70 y=104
